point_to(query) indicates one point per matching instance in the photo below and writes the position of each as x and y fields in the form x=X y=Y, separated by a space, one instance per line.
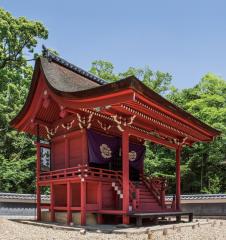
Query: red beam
x=169 y=121
x=145 y=123
x=170 y=113
x=97 y=101
x=151 y=138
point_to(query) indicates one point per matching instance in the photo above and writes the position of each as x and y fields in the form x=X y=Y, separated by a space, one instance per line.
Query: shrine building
x=90 y=141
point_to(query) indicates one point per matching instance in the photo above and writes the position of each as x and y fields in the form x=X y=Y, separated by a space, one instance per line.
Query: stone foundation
x=61 y=217
x=45 y=216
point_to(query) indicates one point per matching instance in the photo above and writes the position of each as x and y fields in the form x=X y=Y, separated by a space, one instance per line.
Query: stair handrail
x=134 y=194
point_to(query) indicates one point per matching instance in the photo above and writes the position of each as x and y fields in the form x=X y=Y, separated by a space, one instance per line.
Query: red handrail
x=134 y=194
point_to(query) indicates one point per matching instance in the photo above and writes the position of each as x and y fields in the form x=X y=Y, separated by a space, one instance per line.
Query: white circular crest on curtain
x=105 y=151
x=132 y=156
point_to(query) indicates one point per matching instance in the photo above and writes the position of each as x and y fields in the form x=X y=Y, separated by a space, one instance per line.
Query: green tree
x=204 y=166
x=157 y=81
x=18 y=39
x=104 y=70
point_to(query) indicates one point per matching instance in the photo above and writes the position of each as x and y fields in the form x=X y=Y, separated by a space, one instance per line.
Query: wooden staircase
x=148 y=194
x=147 y=200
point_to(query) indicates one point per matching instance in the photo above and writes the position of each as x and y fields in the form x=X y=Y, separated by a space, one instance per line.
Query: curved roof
x=71 y=82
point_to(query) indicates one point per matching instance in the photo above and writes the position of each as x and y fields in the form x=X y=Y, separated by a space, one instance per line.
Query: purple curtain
x=136 y=155
x=102 y=148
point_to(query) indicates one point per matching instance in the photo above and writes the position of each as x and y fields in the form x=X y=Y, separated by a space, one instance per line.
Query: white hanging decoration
x=131 y=120
x=51 y=132
x=104 y=126
x=68 y=126
x=84 y=121
x=123 y=121
x=89 y=120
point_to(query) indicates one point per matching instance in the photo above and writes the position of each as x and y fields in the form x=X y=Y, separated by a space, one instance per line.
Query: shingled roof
x=67 y=71
x=72 y=82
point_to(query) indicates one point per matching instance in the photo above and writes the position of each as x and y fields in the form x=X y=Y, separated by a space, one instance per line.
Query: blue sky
x=184 y=38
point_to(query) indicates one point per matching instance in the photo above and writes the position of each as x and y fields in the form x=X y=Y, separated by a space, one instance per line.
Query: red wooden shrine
x=63 y=104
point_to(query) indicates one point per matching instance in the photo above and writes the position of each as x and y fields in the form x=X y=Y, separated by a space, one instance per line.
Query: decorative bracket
x=84 y=121
x=68 y=125
x=180 y=142
x=104 y=126
x=51 y=132
x=123 y=121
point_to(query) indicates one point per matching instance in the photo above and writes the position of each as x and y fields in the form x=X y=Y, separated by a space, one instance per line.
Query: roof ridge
x=52 y=57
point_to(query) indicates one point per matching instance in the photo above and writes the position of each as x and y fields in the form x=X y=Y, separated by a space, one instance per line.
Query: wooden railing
x=157 y=187
x=81 y=171
x=84 y=171
x=134 y=195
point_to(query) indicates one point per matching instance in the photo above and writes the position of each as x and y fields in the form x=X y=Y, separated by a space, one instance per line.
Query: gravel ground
x=11 y=230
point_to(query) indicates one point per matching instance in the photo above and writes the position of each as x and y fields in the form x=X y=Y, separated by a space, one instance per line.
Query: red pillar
x=52 y=201
x=66 y=154
x=178 y=180
x=99 y=216
x=125 y=176
x=38 y=192
x=83 y=202
x=69 y=214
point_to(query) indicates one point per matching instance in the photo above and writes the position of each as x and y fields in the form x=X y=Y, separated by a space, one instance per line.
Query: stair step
x=140 y=186
x=148 y=201
x=144 y=190
x=147 y=197
x=145 y=194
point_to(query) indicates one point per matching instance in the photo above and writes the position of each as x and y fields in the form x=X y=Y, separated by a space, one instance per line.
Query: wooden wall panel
x=76 y=195
x=91 y=192
x=77 y=148
x=58 y=155
x=69 y=150
x=60 y=195
x=107 y=196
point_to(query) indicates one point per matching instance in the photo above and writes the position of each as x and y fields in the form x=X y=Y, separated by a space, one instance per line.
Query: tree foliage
x=204 y=164
x=18 y=35
x=157 y=81
x=18 y=38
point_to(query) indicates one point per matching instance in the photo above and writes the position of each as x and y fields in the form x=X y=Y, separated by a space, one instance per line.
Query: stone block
x=90 y=218
x=61 y=217
x=45 y=216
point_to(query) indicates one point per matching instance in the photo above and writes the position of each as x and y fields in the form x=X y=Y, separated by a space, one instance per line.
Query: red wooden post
x=38 y=162
x=52 y=201
x=83 y=201
x=69 y=214
x=99 y=216
x=125 y=176
x=66 y=153
x=163 y=194
x=178 y=180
